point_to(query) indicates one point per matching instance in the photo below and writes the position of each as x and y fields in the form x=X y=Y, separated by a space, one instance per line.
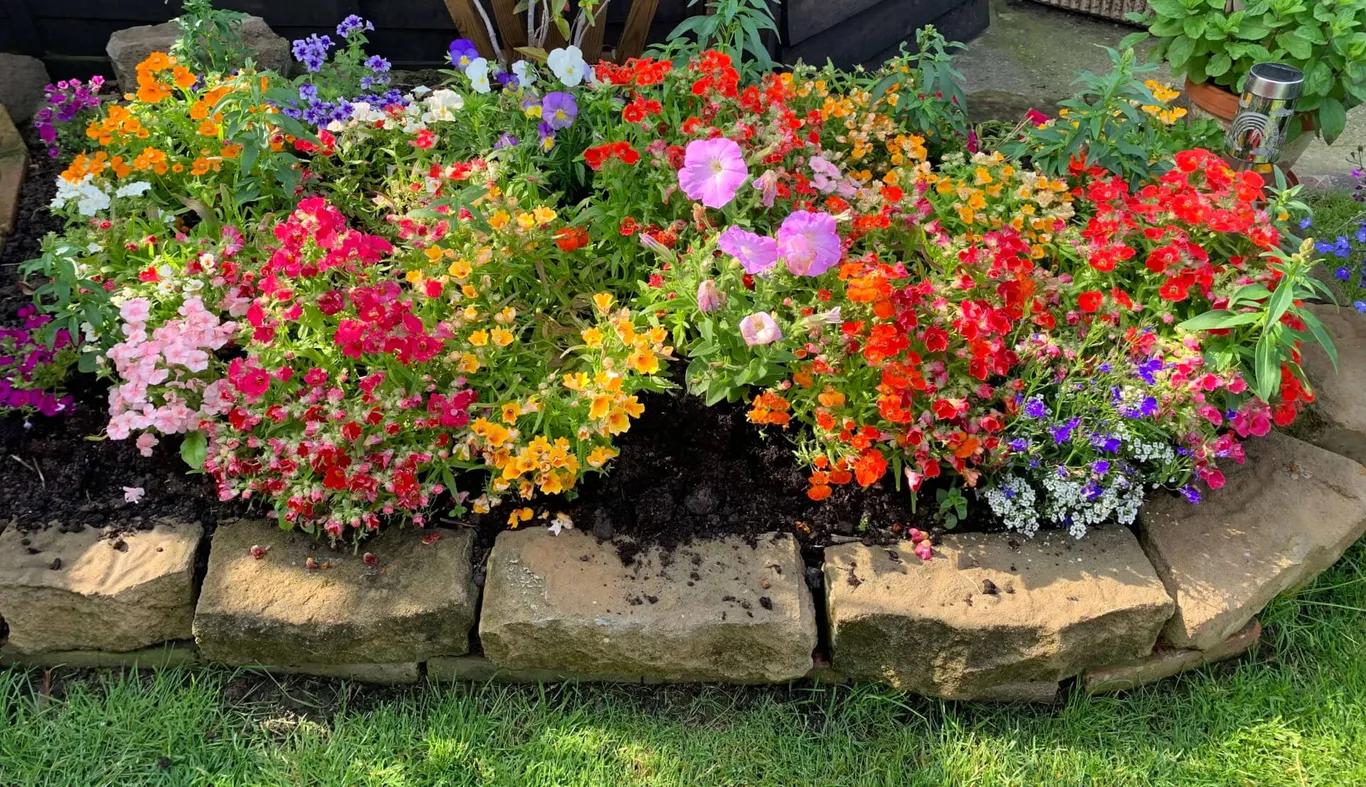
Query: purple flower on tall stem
x=809 y=243
x=713 y=170
x=462 y=52
x=558 y=109
x=756 y=253
x=312 y=51
x=353 y=24
x=760 y=328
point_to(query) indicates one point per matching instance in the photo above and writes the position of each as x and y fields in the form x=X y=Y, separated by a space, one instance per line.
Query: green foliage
x=210 y=42
x=1114 y=121
x=952 y=506
x=934 y=103
x=735 y=27
x=1326 y=39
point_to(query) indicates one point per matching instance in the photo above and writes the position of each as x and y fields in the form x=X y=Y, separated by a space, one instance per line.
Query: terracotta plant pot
x=1222 y=105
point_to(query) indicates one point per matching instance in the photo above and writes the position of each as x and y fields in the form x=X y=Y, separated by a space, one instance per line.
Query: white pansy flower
x=568 y=65
x=478 y=73
x=522 y=70
x=442 y=105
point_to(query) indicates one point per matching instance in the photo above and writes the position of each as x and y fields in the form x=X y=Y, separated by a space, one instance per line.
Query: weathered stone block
x=715 y=610
x=1166 y=662
x=386 y=674
x=417 y=601
x=130 y=46
x=1340 y=392
x=91 y=590
x=1281 y=518
x=991 y=616
x=172 y=654
x=22 y=79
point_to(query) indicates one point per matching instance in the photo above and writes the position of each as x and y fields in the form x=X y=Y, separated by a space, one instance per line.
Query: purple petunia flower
x=809 y=243
x=756 y=253
x=713 y=170
x=558 y=109
x=462 y=52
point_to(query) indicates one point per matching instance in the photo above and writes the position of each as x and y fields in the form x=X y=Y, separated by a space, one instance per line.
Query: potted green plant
x=1213 y=44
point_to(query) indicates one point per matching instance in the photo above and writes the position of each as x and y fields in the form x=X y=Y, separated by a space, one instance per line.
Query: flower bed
x=353 y=306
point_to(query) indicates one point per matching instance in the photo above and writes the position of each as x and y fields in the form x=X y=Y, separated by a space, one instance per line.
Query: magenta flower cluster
x=64 y=103
x=29 y=367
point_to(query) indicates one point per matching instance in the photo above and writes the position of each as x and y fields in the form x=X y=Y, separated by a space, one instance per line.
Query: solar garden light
x=1257 y=133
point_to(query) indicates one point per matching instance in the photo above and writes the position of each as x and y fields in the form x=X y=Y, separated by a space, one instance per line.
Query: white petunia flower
x=568 y=65
x=135 y=189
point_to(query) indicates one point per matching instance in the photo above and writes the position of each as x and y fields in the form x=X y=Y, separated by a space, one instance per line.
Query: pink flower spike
x=133 y=494
x=760 y=328
x=809 y=243
x=713 y=170
x=755 y=253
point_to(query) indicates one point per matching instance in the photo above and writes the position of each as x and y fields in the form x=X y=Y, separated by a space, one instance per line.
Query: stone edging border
x=13 y=166
x=989 y=617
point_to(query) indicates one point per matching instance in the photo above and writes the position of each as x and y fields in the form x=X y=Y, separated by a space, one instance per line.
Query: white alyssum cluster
x=1071 y=501
x=1013 y=500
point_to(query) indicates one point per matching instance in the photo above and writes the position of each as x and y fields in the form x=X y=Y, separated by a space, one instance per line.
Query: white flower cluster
x=1072 y=501
x=90 y=198
x=1013 y=501
x=425 y=107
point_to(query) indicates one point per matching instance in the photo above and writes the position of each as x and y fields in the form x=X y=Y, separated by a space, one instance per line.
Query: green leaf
x=1296 y=46
x=1265 y=370
x=1332 y=119
x=1218 y=65
x=1321 y=336
x=194 y=448
x=1219 y=319
x=1193 y=26
x=1180 y=51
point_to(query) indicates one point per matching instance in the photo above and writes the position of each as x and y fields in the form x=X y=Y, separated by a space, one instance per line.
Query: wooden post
x=471 y=26
x=637 y=29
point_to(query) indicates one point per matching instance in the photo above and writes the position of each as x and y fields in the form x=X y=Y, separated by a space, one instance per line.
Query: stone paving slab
x=1166 y=662
x=416 y=601
x=991 y=616
x=1281 y=518
x=90 y=591
x=714 y=610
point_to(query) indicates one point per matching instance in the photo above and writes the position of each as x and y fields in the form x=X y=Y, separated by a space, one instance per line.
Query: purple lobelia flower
x=760 y=328
x=713 y=170
x=1063 y=431
x=756 y=253
x=1035 y=408
x=462 y=52
x=809 y=243
x=558 y=110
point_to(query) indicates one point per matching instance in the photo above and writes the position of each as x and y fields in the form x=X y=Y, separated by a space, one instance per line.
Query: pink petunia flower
x=713 y=170
x=809 y=243
x=760 y=328
x=709 y=296
x=756 y=253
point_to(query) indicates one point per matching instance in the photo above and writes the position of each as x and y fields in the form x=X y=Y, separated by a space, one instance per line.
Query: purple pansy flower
x=462 y=52
x=558 y=109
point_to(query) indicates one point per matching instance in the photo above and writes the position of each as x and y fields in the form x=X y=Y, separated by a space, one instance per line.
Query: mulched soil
x=685 y=470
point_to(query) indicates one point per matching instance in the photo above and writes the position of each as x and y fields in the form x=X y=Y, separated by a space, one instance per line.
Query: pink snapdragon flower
x=713 y=170
x=760 y=328
x=756 y=253
x=809 y=243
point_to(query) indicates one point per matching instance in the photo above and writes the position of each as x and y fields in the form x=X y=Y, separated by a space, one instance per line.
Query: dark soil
x=685 y=470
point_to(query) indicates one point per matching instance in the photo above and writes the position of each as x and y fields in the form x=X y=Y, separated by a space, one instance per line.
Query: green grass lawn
x=1292 y=713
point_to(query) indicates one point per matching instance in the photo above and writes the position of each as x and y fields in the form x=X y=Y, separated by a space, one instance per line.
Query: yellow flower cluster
x=1163 y=110
x=987 y=193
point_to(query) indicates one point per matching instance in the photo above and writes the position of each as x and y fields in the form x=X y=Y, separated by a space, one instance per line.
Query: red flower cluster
x=598 y=155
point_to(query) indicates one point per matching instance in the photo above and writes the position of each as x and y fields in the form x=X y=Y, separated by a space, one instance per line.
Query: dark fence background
x=70 y=35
